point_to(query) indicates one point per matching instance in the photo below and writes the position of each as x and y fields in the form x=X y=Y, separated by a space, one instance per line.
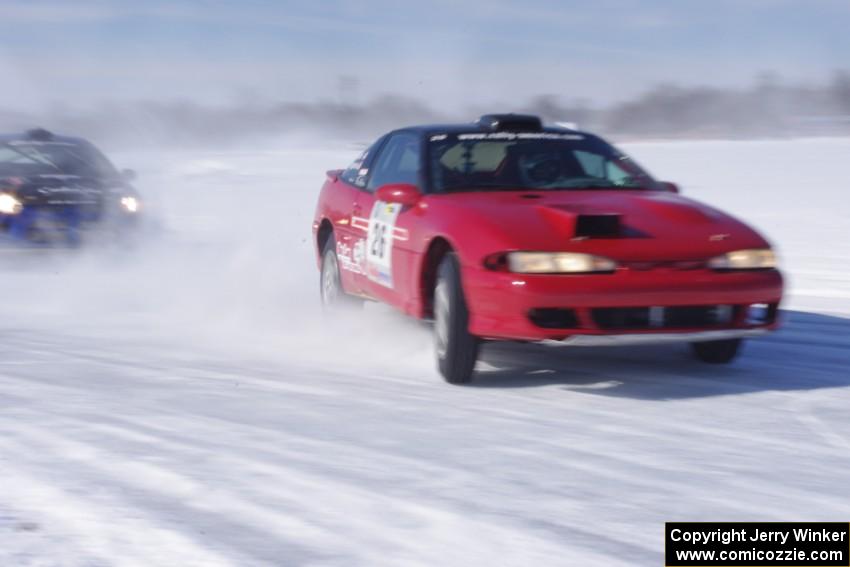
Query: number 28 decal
x=379 y=242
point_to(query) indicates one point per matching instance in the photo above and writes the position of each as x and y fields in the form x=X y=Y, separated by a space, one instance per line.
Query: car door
x=389 y=258
x=349 y=228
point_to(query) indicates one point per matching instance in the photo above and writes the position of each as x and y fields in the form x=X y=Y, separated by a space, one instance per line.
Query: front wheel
x=717 y=352
x=456 y=348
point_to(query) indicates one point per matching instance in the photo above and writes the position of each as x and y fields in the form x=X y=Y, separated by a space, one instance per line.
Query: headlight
x=9 y=205
x=130 y=204
x=755 y=259
x=558 y=263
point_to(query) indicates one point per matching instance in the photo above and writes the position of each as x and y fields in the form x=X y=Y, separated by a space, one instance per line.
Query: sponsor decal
x=351 y=258
x=519 y=136
x=508 y=136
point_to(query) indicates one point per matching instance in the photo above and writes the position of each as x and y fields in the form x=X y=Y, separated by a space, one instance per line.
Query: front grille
x=676 y=265
x=663 y=317
x=554 y=318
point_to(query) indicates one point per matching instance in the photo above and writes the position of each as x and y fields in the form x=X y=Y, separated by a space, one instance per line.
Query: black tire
x=457 y=349
x=717 y=352
x=331 y=292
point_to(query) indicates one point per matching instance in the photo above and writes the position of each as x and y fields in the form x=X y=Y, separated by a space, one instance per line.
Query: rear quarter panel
x=336 y=200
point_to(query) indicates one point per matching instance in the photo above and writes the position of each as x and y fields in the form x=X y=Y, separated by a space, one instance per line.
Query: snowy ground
x=187 y=405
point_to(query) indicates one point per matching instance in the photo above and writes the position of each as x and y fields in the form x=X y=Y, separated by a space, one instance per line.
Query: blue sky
x=450 y=52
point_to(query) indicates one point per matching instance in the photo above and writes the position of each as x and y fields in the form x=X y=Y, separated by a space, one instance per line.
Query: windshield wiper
x=595 y=184
x=486 y=187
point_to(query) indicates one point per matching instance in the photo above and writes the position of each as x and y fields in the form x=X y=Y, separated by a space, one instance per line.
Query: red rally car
x=505 y=229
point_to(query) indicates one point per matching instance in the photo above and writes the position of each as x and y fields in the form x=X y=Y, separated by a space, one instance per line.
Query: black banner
x=757 y=544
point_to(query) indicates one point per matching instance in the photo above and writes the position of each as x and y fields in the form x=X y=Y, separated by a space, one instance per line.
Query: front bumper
x=628 y=302
x=55 y=225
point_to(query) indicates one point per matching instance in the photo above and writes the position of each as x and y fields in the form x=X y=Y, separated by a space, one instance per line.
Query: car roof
x=485 y=124
x=473 y=127
x=40 y=135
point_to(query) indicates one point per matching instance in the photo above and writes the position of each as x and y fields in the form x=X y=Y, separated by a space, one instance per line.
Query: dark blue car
x=57 y=189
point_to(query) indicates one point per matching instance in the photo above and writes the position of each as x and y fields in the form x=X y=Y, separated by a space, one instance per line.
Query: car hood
x=623 y=224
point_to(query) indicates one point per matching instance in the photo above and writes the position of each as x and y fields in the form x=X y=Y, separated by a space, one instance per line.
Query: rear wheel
x=456 y=348
x=330 y=281
x=717 y=352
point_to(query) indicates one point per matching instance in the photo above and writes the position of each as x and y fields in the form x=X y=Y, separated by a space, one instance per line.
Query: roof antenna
x=511 y=122
x=39 y=135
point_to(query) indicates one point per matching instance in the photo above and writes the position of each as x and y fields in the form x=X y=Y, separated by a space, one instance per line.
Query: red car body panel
x=662 y=255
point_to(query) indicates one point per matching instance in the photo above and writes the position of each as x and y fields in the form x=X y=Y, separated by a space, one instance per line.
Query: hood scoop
x=598 y=226
x=574 y=223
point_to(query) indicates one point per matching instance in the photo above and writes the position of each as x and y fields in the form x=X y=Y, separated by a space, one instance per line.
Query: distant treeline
x=769 y=108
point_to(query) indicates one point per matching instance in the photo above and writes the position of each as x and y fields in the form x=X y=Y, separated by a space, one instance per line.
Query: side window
x=593 y=164
x=357 y=172
x=618 y=175
x=100 y=163
x=597 y=165
x=398 y=162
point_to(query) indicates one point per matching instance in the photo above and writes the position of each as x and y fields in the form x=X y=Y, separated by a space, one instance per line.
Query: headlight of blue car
x=9 y=204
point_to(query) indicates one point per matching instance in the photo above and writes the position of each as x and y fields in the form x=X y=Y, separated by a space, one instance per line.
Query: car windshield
x=25 y=157
x=515 y=161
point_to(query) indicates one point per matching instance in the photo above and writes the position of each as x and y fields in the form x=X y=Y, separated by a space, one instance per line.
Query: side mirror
x=669 y=187
x=402 y=193
x=128 y=174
